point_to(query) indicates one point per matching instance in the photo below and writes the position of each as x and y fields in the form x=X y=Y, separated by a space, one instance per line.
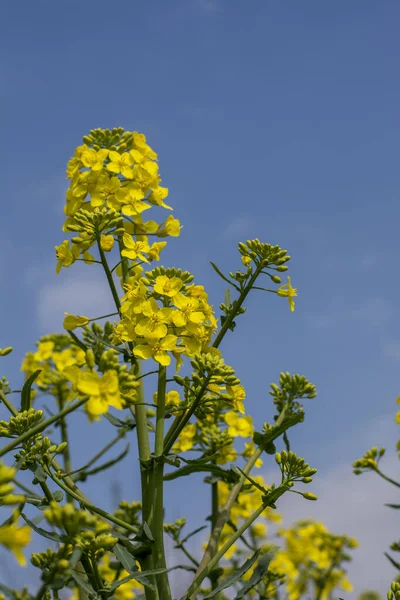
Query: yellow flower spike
x=121 y=163
x=288 y=292
x=167 y=286
x=238 y=426
x=71 y=322
x=15 y=538
x=106 y=242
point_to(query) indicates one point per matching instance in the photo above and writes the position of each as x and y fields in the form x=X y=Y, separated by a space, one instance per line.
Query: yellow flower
x=155 y=249
x=238 y=394
x=157 y=349
x=187 y=312
x=157 y=197
x=71 y=322
x=289 y=292
x=103 y=391
x=186 y=439
x=259 y=530
x=65 y=255
x=68 y=358
x=153 y=323
x=171 y=227
x=139 y=143
x=108 y=188
x=15 y=539
x=227 y=454
x=44 y=351
x=94 y=160
x=106 y=242
x=134 y=249
x=238 y=426
x=121 y=163
x=167 y=286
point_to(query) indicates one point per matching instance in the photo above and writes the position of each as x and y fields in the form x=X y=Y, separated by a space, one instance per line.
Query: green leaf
x=393 y=505
x=58 y=495
x=55 y=537
x=40 y=474
x=225 y=475
x=214 y=266
x=394 y=563
x=236 y=576
x=258 y=573
x=26 y=391
x=75 y=557
x=84 y=585
x=128 y=424
x=125 y=558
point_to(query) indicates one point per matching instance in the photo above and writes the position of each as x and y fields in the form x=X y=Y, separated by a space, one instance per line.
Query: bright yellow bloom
x=106 y=242
x=44 y=351
x=167 y=286
x=154 y=320
x=186 y=439
x=187 y=312
x=15 y=538
x=68 y=358
x=288 y=292
x=134 y=298
x=172 y=399
x=121 y=163
x=238 y=426
x=155 y=249
x=157 y=197
x=108 y=189
x=103 y=391
x=71 y=322
x=259 y=530
x=139 y=143
x=238 y=394
x=94 y=160
x=171 y=227
x=157 y=349
x=227 y=454
x=65 y=255
x=134 y=249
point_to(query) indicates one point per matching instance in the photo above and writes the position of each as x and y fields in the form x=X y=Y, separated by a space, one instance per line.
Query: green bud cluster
x=115 y=139
x=263 y=254
x=151 y=276
x=37 y=450
x=207 y=365
x=394 y=591
x=129 y=512
x=174 y=529
x=290 y=388
x=95 y=544
x=69 y=518
x=5 y=385
x=294 y=467
x=91 y=223
x=369 y=461
x=21 y=423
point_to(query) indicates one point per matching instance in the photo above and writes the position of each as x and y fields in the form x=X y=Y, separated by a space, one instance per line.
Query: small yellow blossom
x=15 y=538
x=121 y=163
x=103 y=391
x=71 y=322
x=238 y=426
x=186 y=439
x=157 y=349
x=288 y=292
x=94 y=160
x=171 y=227
x=167 y=286
x=134 y=249
x=106 y=242
x=238 y=394
x=65 y=255
x=44 y=351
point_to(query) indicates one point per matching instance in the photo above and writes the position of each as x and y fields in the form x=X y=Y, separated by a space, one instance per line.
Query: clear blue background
x=272 y=119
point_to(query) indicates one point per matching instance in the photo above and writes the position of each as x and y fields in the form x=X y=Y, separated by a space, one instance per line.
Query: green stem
x=8 y=404
x=47 y=491
x=91 y=507
x=41 y=426
x=109 y=276
x=64 y=438
x=164 y=591
x=386 y=477
x=139 y=412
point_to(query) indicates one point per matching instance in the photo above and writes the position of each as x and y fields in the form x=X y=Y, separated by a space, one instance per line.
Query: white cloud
x=238 y=228
x=89 y=297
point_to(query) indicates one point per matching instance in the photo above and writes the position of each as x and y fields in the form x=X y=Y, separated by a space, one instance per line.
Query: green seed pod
x=62 y=447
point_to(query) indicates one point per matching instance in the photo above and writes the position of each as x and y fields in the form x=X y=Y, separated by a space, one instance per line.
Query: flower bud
x=62 y=447
x=90 y=358
x=63 y=564
x=278 y=458
x=309 y=496
x=276 y=279
x=306 y=479
x=6 y=351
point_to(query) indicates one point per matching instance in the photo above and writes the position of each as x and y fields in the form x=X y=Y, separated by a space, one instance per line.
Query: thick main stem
x=158 y=489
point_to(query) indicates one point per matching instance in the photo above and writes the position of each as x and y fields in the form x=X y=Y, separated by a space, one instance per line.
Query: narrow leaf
x=393 y=505
x=236 y=576
x=84 y=585
x=55 y=537
x=26 y=391
x=258 y=573
x=394 y=563
x=125 y=558
x=214 y=266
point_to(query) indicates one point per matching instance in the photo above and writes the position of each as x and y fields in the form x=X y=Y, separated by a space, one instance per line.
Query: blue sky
x=272 y=119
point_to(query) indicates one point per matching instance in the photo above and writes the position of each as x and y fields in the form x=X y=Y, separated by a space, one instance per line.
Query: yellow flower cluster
x=182 y=324
x=311 y=549
x=12 y=536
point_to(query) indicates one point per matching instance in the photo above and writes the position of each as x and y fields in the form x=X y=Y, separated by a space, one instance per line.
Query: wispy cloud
x=240 y=227
x=90 y=297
